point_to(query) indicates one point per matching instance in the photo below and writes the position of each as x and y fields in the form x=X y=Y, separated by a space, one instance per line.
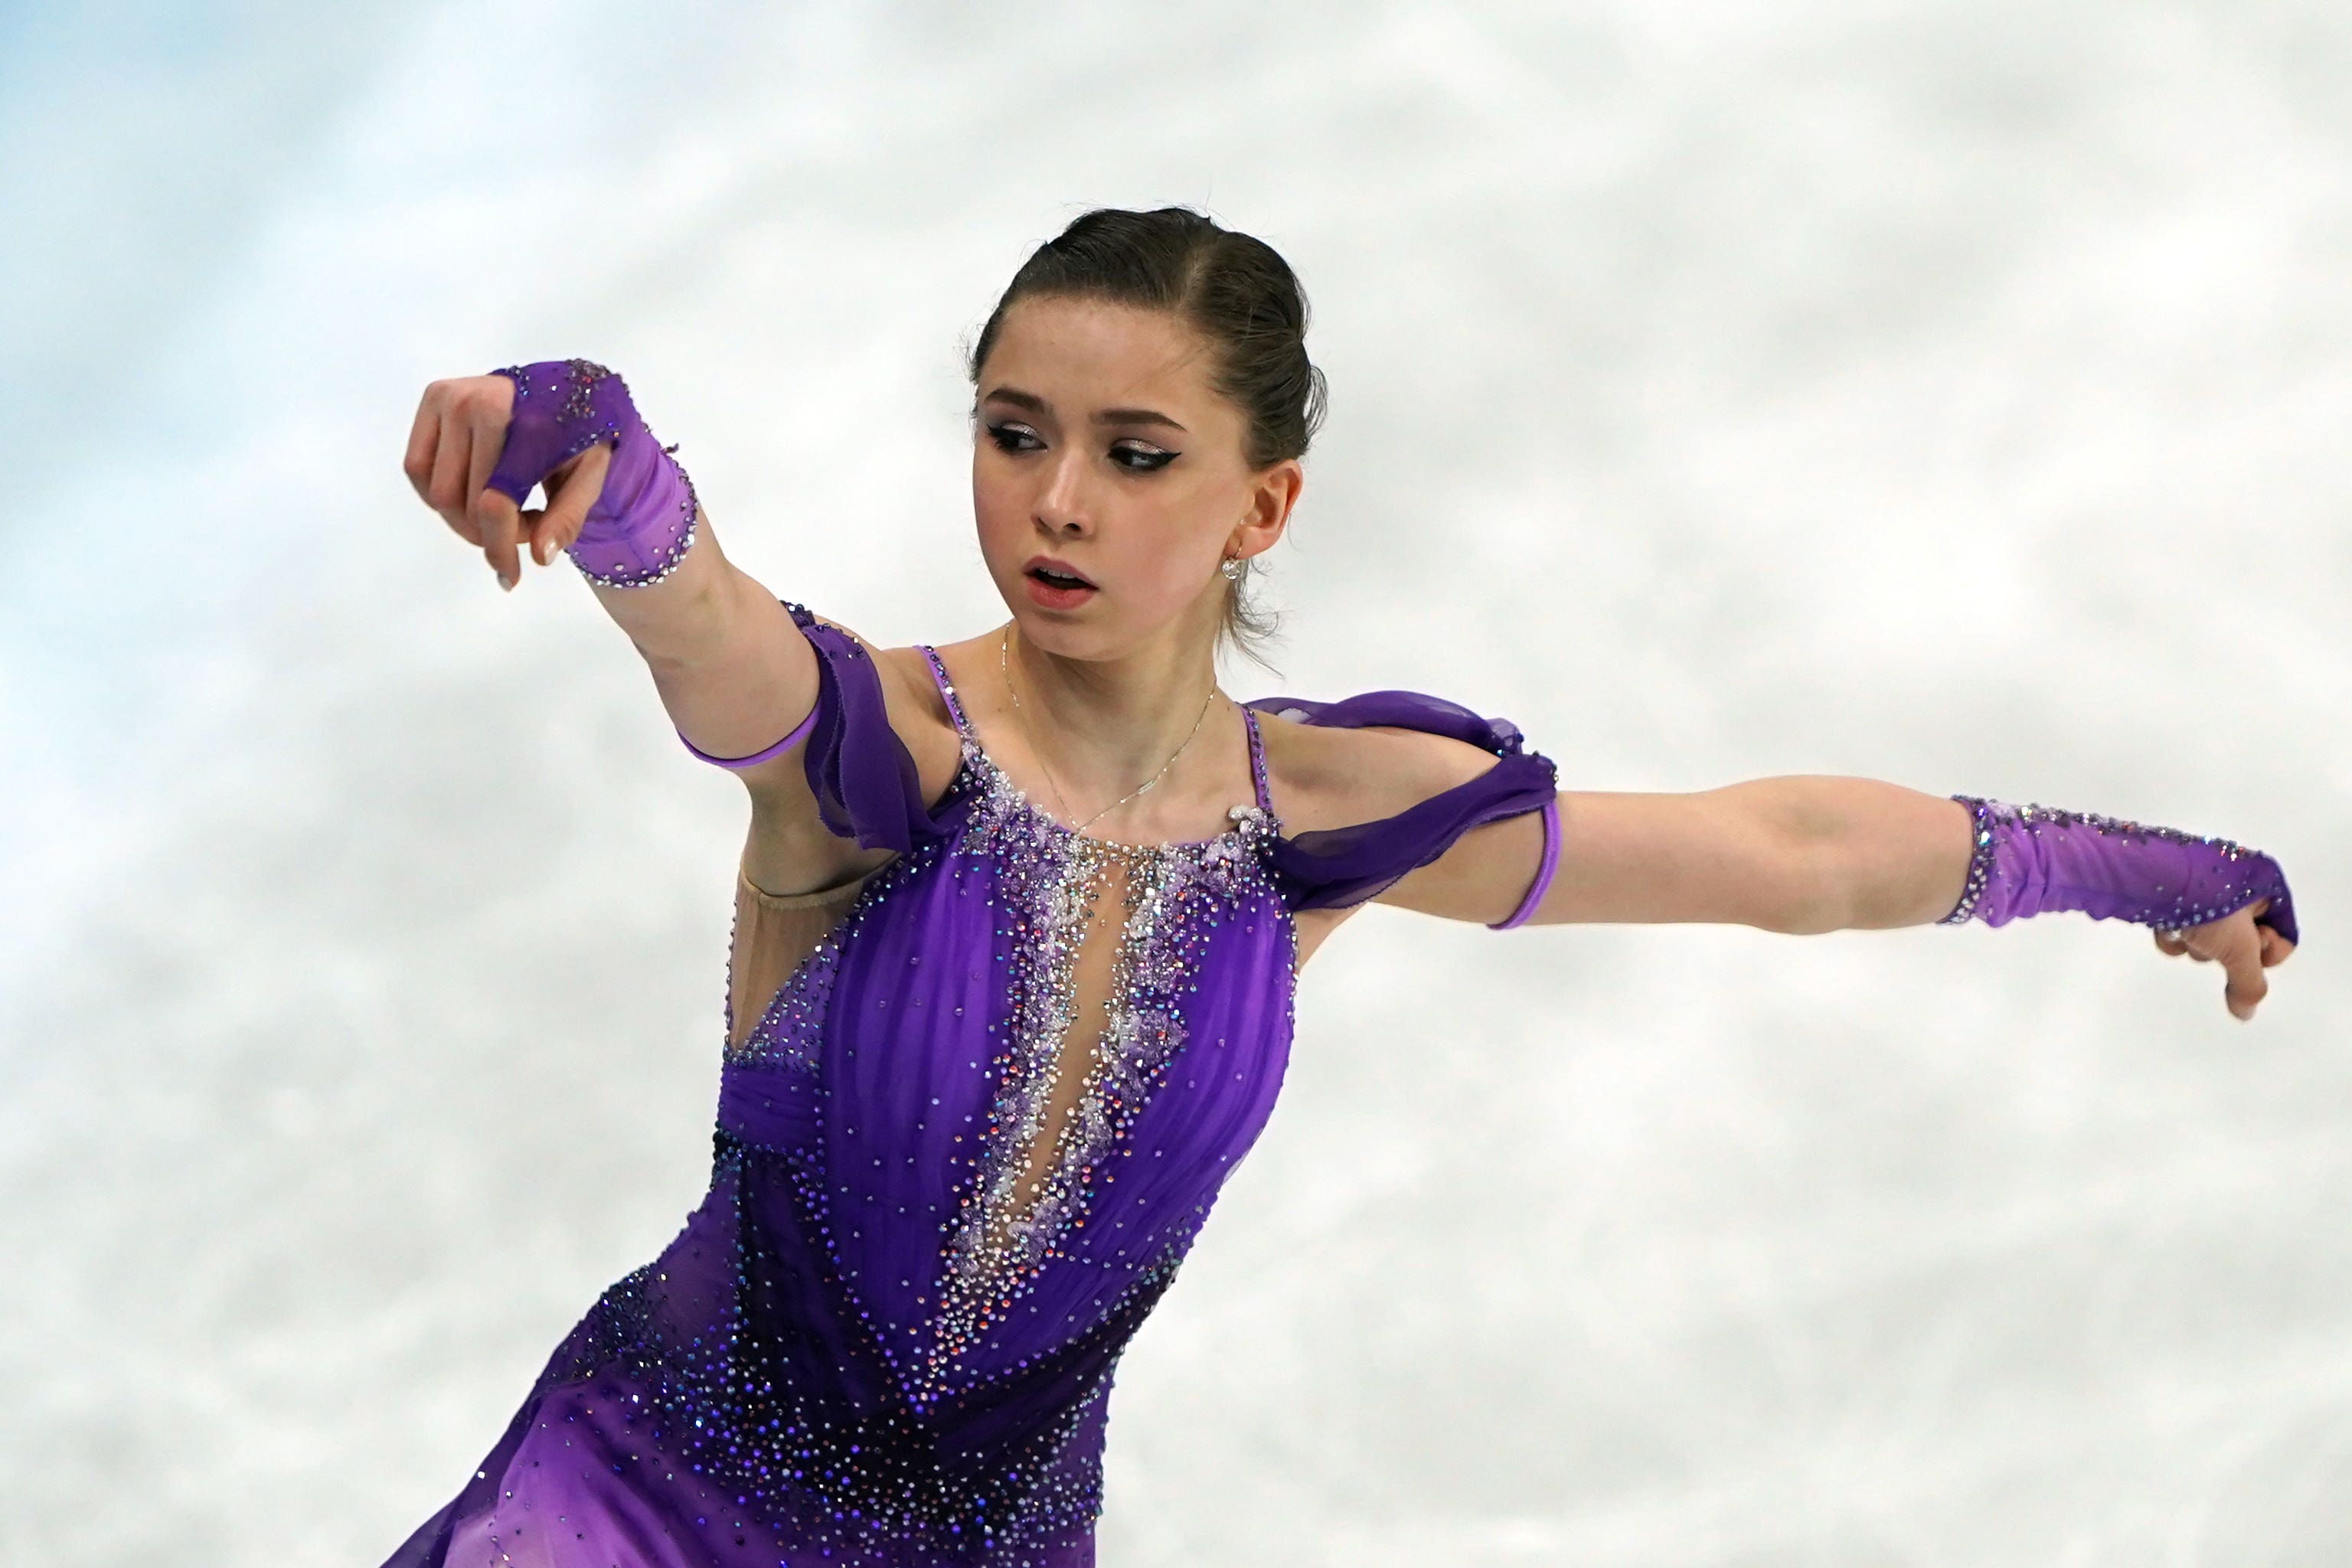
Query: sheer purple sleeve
x=861 y=772
x=2038 y=859
x=641 y=524
x=1333 y=868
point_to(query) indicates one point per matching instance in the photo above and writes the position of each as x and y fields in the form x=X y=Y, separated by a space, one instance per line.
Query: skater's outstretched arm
x=1798 y=854
x=738 y=677
x=1810 y=854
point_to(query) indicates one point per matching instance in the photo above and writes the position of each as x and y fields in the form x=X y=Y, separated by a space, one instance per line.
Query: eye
x=1147 y=460
x=999 y=434
x=1153 y=458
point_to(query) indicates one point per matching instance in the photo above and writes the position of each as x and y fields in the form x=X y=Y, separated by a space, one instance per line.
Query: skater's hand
x=2242 y=949
x=453 y=448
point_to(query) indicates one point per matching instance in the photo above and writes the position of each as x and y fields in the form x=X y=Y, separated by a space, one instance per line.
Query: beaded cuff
x=642 y=523
x=2036 y=860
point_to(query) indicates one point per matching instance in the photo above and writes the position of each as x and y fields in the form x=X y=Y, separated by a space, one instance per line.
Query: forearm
x=733 y=671
x=679 y=620
x=1865 y=855
x=1884 y=855
x=630 y=522
x=728 y=662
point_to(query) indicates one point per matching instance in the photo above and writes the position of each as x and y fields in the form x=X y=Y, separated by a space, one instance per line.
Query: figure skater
x=1018 y=921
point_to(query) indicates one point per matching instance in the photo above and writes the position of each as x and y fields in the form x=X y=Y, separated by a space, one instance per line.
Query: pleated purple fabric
x=1335 y=867
x=861 y=1350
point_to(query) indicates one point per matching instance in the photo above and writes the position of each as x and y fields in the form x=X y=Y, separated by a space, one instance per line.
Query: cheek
x=998 y=520
x=1160 y=564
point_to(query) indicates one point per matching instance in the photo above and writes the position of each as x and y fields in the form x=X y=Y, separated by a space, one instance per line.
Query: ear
x=1273 y=493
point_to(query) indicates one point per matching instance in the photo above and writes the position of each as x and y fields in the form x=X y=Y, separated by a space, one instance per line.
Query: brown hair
x=1230 y=289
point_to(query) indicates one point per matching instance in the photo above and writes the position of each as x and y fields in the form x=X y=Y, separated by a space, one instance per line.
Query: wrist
x=642 y=522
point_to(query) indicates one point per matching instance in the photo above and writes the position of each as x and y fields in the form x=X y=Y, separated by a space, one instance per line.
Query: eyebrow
x=1036 y=405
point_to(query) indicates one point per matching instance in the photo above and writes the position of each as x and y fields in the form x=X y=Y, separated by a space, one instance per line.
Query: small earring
x=1232 y=568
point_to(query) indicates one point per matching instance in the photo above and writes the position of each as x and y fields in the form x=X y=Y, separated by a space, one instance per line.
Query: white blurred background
x=1944 y=391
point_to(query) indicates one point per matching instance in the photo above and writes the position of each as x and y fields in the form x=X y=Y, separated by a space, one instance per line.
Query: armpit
x=772 y=933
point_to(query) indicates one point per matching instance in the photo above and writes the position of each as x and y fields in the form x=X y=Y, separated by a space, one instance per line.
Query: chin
x=1065 y=636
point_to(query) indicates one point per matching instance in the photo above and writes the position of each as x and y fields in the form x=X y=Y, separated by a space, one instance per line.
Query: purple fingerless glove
x=642 y=522
x=2035 y=859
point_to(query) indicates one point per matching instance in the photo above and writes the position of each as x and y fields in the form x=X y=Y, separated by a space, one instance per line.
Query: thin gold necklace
x=1005 y=664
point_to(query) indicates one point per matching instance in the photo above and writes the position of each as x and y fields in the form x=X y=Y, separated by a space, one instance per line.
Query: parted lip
x=1057 y=565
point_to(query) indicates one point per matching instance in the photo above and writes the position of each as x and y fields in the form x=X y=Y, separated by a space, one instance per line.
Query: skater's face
x=1098 y=441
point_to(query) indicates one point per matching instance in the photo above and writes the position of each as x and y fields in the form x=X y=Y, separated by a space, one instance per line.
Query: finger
x=502 y=527
x=452 y=457
x=423 y=435
x=499 y=521
x=489 y=428
x=2169 y=942
x=546 y=544
x=536 y=533
x=575 y=493
x=2246 y=984
x=2205 y=942
x=463 y=526
x=2275 y=947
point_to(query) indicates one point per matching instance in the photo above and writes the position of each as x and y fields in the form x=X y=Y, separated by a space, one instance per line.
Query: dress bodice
x=913 y=1052
x=959 y=1153
x=912 y=1059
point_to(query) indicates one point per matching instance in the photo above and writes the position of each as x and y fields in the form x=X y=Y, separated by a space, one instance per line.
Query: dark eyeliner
x=1005 y=434
x=1160 y=459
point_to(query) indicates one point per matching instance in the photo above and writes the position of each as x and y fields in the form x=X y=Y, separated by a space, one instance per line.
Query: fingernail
x=541 y=553
x=505 y=582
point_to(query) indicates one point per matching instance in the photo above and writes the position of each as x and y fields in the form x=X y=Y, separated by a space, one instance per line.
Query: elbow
x=1844 y=858
x=1812 y=895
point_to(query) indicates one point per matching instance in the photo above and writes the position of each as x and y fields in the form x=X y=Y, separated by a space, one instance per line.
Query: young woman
x=1018 y=921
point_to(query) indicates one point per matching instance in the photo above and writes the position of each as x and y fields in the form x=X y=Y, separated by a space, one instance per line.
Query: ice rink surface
x=1950 y=394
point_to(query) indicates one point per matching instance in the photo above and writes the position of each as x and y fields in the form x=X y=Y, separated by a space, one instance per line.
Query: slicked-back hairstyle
x=1230 y=289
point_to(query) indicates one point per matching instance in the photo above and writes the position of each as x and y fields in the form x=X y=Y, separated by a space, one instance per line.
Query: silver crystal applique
x=1048 y=883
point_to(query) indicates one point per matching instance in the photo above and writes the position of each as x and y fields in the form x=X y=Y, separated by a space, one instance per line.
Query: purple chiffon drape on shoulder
x=860 y=1350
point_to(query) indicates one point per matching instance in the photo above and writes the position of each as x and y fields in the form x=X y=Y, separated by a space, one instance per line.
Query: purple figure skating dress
x=861 y=1352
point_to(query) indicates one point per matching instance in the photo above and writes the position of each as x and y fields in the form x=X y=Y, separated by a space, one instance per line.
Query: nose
x=1063 y=507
